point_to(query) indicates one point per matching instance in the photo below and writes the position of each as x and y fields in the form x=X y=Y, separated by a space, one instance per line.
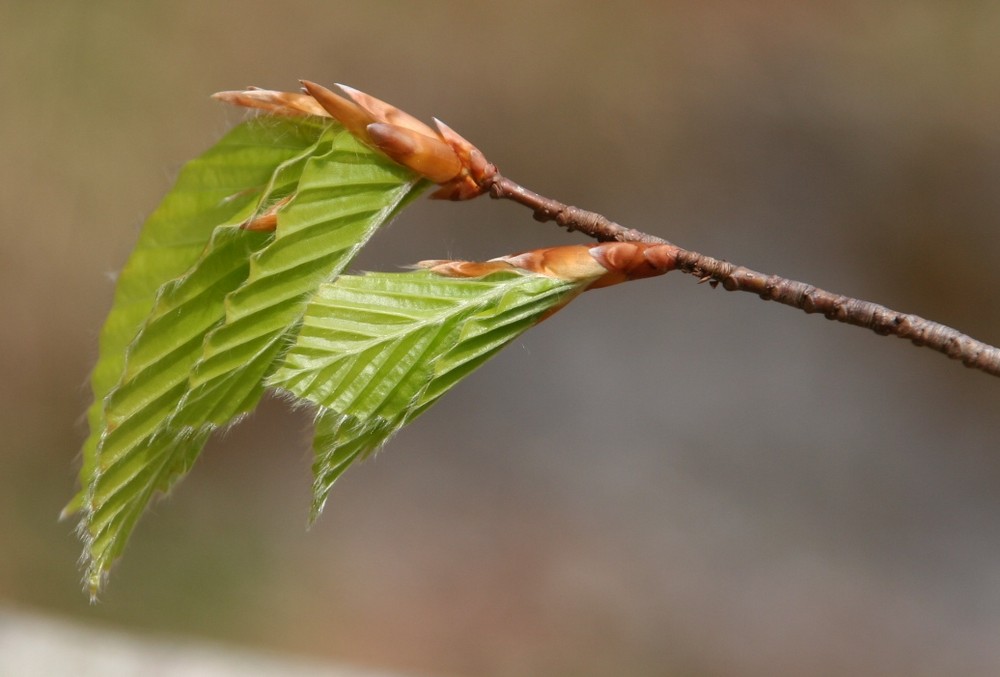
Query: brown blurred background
x=662 y=480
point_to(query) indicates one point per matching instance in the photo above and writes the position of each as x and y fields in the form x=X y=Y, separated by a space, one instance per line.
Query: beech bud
x=279 y=103
x=603 y=264
x=425 y=155
x=438 y=153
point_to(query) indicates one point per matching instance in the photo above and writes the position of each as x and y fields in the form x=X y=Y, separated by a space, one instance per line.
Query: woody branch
x=922 y=332
x=462 y=172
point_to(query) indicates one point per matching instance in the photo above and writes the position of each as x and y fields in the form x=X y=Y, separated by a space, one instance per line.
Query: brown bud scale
x=602 y=264
x=440 y=154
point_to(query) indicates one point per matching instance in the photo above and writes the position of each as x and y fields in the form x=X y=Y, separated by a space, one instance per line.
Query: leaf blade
x=199 y=355
x=343 y=197
x=171 y=241
x=369 y=377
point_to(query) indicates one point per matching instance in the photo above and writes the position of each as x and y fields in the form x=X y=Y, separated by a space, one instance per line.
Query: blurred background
x=663 y=479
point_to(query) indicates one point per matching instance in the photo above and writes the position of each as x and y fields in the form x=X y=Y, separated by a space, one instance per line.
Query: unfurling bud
x=626 y=261
x=348 y=113
x=382 y=111
x=277 y=103
x=602 y=264
x=439 y=154
x=425 y=155
x=476 y=173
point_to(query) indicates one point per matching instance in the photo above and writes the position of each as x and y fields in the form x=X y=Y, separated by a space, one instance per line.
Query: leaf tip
x=316 y=507
x=72 y=508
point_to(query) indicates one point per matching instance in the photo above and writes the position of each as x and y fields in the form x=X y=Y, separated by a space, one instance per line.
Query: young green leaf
x=342 y=198
x=214 y=331
x=374 y=351
x=216 y=188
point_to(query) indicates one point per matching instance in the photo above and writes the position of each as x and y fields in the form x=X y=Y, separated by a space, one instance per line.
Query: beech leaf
x=207 y=298
x=375 y=351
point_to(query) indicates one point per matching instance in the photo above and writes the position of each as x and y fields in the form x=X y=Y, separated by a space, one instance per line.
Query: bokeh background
x=663 y=479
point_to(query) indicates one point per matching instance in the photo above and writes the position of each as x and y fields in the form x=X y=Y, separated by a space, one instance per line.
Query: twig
x=446 y=158
x=881 y=320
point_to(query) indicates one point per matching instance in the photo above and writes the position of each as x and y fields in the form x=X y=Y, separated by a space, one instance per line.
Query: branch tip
x=462 y=172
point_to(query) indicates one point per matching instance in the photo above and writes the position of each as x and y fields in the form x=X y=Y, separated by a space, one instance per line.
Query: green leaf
x=344 y=195
x=214 y=331
x=375 y=351
x=216 y=188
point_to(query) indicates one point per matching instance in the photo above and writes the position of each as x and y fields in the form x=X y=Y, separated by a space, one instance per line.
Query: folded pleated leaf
x=216 y=188
x=342 y=198
x=374 y=351
x=199 y=347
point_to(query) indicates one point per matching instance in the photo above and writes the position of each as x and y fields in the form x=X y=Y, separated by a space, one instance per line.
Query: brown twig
x=881 y=320
x=446 y=158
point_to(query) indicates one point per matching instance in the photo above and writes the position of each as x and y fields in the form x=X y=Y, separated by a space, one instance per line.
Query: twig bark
x=922 y=332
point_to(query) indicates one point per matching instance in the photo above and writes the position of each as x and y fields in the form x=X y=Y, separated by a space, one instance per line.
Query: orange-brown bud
x=476 y=170
x=448 y=268
x=348 y=113
x=402 y=137
x=604 y=264
x=632 y=261
x=572 y=263
x=441 y=154
x=425 y=155
x=266 y=220
x=386 y=112
x=278 y=103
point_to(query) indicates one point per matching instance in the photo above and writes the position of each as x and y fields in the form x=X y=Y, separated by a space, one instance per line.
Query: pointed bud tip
x=348 y=113
x=315 y=90
x=440 y=125
x=429 y=263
